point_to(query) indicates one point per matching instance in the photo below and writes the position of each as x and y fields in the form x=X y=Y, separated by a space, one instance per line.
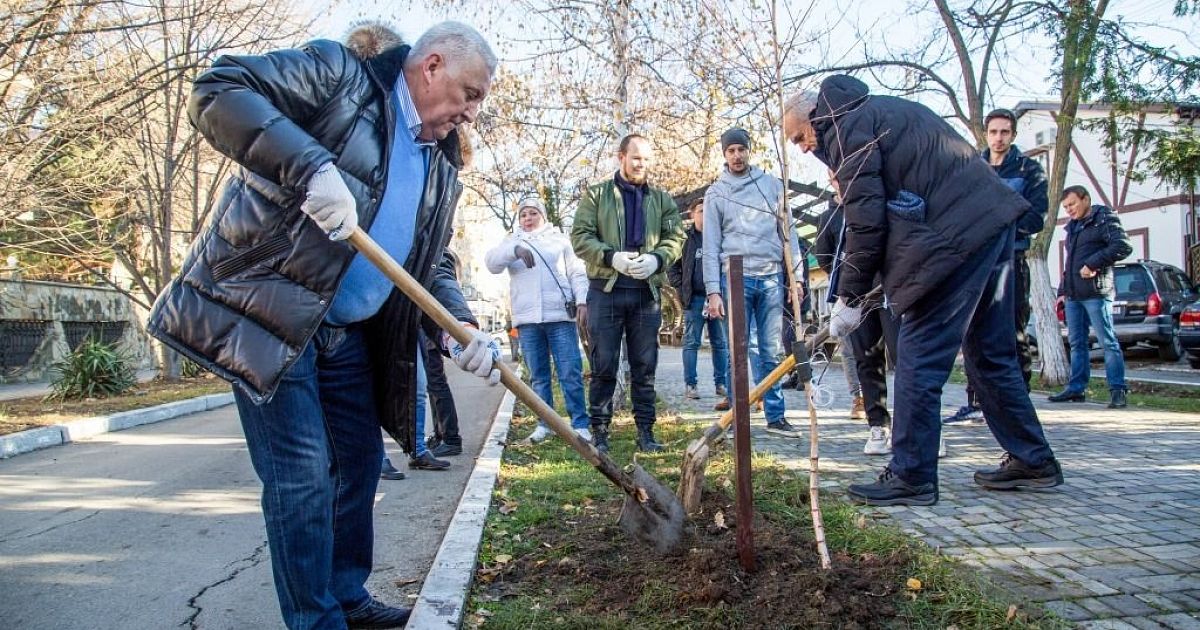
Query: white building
x=1161 y=222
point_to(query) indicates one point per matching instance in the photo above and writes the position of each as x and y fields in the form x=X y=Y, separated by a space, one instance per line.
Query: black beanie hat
x=737 y=135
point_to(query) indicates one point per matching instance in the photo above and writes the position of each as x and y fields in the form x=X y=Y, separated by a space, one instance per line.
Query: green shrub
x=190 y=369
x=94 y=370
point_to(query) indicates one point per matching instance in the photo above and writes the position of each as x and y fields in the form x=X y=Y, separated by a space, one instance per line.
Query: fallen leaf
x=483 y=612
x=508 y=507
x=567 y=507
x=405 y=581
x=719 y=519
x=860 y=521
x=913 y=584
x=505 y=559
x=1012 y=613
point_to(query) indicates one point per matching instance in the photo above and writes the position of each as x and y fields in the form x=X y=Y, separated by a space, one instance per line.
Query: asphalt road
x=159 y=526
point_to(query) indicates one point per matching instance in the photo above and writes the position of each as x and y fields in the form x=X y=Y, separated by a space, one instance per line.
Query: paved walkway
x=1117 y=546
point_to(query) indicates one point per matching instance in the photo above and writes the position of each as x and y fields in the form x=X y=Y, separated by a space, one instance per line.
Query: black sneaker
x=427 y=462
x=375 y=614
x=889 y=489
x=1013 y=474
x=1117 y=399
x=446 y=450
x=783 y=428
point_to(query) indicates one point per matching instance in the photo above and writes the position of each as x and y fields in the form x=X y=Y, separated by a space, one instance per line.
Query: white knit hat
x=535 y=202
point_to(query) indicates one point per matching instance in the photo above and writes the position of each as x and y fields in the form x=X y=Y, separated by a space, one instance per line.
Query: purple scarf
x=635 y=215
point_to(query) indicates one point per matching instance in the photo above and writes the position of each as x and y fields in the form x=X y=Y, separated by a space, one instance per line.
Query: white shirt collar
x=408 y=110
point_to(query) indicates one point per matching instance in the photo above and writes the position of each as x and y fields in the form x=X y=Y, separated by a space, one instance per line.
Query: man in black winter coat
x=1027 y=177
x=927 y=213
x=320 y=347
x=1095 y=242
x=687 y=276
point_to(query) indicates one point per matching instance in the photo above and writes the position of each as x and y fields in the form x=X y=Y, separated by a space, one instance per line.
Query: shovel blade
x=691 y=479
x=655 y=517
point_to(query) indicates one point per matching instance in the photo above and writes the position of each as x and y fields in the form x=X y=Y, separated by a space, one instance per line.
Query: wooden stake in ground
x=740 y=387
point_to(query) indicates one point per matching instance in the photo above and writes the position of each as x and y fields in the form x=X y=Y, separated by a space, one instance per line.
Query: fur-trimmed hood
x=371 y=39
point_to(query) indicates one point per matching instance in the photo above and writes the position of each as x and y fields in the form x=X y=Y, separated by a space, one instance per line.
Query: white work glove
x=622 y=261
x=330 y=204
x=478 y=357
x=643 y=266
x=843 y=319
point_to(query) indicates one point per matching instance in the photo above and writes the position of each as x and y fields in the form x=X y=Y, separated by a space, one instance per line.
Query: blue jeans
x=422 y=405
x=764 y=336
x=974 y=310
x=540 y=342
x=316 y=448
x=694 y=324
x=1098 y=313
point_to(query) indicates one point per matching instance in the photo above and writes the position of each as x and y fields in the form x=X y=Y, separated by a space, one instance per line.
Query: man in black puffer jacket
x=946 y=265
x=1095 y=242
x=320 y=347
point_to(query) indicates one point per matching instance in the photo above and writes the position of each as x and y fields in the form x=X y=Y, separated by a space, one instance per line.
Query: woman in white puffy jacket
x=547 y=281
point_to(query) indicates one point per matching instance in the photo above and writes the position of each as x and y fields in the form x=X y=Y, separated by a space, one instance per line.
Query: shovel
x=651 y=514
x=695 y=459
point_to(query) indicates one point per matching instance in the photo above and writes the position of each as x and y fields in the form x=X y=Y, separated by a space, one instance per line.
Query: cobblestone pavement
x=1116 y=546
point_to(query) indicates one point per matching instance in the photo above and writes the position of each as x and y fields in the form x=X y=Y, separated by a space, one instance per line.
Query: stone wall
x=42 y=322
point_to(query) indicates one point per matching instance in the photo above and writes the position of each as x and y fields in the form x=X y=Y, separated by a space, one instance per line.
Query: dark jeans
x=316 y=448
x=975 y=311
x=634 y=315
x=1021 y=310
x=873 y=342
x=441 y=399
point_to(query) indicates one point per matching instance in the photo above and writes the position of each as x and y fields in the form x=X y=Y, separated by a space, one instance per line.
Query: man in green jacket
x=628 y=234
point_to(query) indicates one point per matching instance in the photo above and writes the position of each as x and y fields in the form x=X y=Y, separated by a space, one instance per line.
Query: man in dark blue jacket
x=1095 y=242
x=321 y=348
x=1027 y=177
x=945 y=256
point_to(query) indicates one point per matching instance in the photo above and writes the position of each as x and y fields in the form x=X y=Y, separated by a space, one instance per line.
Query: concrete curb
x=444 y=592
x=67 y=432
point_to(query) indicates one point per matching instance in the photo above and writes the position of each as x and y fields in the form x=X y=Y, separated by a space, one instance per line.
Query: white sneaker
x=539 y=434
x=879 y=442
x=586 y=434
x=690 y=392
x=942 y=448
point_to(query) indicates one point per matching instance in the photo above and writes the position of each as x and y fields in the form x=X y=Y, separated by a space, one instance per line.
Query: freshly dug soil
x=629 y=582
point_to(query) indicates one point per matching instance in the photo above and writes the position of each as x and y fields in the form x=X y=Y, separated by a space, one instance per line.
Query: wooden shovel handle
x=408 y=285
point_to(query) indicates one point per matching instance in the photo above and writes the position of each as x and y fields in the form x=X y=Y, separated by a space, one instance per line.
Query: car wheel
x=1173 y=348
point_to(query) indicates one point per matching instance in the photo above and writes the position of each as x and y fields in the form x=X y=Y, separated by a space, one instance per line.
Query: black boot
x=646 y=441
x=1117 y=400
x=1067 y=396
x=600 y=437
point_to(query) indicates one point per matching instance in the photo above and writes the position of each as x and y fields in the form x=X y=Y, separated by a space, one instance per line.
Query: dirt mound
x=704 y=586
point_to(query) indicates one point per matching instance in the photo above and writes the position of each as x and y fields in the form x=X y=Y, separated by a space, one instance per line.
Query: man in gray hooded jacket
x=741 y=220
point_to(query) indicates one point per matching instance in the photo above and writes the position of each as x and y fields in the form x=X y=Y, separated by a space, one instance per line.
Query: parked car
x=1151 y=297
x=1189 y=333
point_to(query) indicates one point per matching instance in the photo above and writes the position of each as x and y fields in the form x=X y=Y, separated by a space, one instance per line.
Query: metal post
x=741 y=414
